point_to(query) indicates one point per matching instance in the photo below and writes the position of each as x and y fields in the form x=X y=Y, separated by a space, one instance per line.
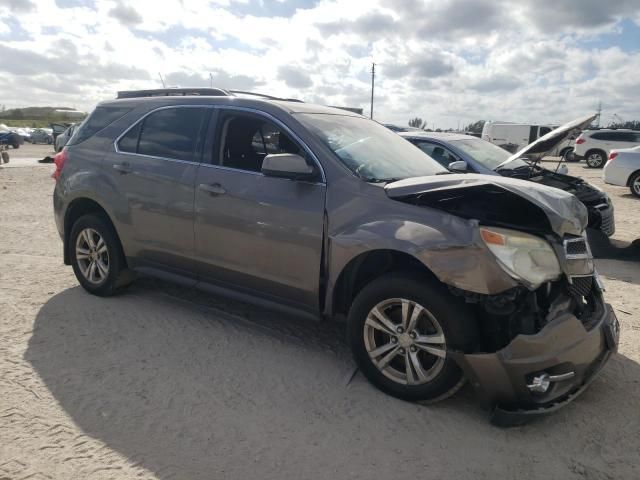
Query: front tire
x=401 y=327
x=595 y=158
x=96 y=255
x=634 y=184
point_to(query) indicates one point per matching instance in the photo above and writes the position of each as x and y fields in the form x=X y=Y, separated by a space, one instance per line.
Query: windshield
x=486 y=153
x=371 y=151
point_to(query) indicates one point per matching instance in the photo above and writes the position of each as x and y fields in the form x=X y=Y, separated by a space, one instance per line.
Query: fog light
x=540 y=383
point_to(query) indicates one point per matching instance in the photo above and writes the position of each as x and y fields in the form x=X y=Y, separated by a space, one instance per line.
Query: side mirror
x=459 y=166
x=287 y=165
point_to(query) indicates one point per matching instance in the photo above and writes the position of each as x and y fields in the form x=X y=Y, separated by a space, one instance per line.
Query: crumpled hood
x=566 y=214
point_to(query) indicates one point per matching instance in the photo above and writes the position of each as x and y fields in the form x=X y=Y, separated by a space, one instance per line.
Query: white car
x=623 y=169
x=595 y=145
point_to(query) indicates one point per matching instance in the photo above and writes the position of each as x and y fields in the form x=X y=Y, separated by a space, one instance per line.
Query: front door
x=260 y=234
x=153 y=170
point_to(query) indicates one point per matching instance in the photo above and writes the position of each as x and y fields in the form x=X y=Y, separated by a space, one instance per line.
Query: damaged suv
x=320 y=212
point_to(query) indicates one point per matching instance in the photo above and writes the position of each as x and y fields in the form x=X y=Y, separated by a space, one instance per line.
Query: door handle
x=213 y=188
x=123 y=168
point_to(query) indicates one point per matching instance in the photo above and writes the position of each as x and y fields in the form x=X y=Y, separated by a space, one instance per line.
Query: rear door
x=259 y=234
x=154 y=169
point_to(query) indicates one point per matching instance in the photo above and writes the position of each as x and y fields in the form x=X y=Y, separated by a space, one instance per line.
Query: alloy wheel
x=92 y=256
x=404 y=341
x=635 y=185
x=595 y=160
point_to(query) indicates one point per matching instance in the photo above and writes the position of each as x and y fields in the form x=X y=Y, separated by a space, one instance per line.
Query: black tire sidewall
x=633 y=178
x=455 y=318
x=105 y=230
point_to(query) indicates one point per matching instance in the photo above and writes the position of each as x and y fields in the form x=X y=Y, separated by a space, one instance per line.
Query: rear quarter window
x=100 y=118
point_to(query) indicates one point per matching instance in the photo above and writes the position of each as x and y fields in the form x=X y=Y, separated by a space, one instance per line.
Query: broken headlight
x=525 y=257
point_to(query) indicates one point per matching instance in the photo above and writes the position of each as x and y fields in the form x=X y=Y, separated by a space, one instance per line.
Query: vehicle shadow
x=190 y=386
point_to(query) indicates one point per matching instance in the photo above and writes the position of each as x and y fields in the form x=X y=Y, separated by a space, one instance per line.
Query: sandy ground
x=163 y=382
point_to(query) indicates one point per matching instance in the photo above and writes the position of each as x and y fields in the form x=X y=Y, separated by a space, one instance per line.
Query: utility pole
x=599 y=112
x=373 y=82
x=210 y=80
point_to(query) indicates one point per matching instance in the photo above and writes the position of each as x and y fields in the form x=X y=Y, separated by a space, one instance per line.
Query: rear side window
x=168 y=133
x=615 y=136
x=100 y=118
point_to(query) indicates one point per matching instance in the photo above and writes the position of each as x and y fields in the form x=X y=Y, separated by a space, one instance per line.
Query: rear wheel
x=96 y=255
x=401 y=328
x=568 y=156
x=634 y=184
x=595 y=158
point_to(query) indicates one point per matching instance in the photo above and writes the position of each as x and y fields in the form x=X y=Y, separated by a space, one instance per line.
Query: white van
x=515 y=136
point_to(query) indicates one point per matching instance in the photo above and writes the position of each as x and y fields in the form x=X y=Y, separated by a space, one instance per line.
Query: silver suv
x=325 y=214
x=595 y=145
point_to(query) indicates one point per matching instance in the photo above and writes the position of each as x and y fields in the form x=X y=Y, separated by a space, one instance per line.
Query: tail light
x=613 y=155
x=59 y=160
x=580 y=141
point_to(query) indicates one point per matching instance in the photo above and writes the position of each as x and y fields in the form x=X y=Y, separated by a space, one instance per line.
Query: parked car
x=11 y=138
x=513 y=136
x=58 y=128
x=441 y=277
x=464 y=153
x=62 y=139
x=401 y=128
x=41 y=135
x=595 y=145
x=623 y=169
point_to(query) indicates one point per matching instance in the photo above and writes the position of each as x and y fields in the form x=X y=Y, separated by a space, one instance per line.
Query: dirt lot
x=162 y=382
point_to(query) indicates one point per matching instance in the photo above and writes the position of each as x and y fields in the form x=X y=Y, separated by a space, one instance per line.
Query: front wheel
x=634 y=184
x=402 y=327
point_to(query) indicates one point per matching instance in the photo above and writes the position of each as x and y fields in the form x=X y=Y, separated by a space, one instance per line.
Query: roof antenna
x=162 y=80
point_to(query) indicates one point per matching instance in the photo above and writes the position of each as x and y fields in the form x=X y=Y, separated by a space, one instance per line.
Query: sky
x=450 y=62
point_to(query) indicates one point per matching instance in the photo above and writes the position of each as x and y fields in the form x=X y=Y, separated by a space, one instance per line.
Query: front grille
x=581 y=286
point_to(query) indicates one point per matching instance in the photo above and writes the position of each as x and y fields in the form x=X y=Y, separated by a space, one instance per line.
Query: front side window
x=440 y=154
x=171 y=133
x=371 y=151
x=247 y=139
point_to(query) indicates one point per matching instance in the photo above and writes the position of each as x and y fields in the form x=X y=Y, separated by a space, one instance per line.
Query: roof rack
x=262 y=95
x=167 y=92
x=213 y=92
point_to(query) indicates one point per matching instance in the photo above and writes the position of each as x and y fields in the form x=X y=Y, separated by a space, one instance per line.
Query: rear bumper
x=564 y=345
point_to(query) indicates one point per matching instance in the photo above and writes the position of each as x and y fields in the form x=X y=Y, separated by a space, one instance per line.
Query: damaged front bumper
x=567 y=350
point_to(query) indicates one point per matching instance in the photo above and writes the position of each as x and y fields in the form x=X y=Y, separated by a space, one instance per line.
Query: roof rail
x=262 y=95
x=167 y=92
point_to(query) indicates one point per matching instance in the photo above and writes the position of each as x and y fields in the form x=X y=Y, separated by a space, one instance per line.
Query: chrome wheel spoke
x=101 y=247
x=92 y=271
x=384 y=361
x=415 y=372
x=417 y=310
x=378 y=320
x=381 y=350
x=102 y=268
x=433 y=344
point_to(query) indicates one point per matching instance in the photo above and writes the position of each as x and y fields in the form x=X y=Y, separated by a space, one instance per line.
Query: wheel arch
x=76 y=209
x=633 y=174
x=366 y=267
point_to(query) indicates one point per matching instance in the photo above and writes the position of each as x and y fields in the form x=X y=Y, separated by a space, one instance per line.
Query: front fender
x=449 y=246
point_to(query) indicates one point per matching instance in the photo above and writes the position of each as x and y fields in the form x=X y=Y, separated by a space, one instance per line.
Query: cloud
x=18 y=6
x=126 y=15
x=444 y=60
x=294 y=77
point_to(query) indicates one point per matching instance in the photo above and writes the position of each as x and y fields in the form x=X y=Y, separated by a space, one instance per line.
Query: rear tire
x=568 y=156
x=634 y=184
x=405 y=357
x=96 y=256
x=595 y=158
